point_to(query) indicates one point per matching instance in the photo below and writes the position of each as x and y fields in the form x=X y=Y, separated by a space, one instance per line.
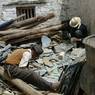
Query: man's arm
x=25 y=59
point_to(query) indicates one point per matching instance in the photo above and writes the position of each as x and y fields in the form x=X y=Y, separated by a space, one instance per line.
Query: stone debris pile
x=49 y=65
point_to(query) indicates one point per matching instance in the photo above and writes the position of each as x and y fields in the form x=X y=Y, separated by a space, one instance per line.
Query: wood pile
x=26 y=30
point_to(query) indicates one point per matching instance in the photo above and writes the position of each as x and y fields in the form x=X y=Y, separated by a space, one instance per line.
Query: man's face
x=34 y=55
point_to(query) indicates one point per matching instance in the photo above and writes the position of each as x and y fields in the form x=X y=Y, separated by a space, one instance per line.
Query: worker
x=15 y=66
x=78 y=31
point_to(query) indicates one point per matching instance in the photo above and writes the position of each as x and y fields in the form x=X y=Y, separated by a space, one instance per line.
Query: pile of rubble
x=50 y=64
x=55 y=58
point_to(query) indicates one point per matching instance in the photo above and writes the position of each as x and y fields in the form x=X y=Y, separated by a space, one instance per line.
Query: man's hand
x=74 y=39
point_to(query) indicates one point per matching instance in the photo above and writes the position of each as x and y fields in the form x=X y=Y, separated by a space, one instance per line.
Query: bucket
x=90 y=49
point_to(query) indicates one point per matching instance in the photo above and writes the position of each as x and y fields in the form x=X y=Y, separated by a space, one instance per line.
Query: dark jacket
x=80 y=32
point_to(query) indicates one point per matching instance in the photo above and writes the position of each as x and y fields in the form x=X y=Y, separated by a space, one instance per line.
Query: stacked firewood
x=25 y=30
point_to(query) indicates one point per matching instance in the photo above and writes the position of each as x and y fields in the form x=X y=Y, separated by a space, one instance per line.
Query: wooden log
x=25 y=88
x=18 y=17
x=31 y=37
x=31 y=25
x=34 y=26
x=23 y=33
x=8 y=32
x=13 y=31
x=35 y=20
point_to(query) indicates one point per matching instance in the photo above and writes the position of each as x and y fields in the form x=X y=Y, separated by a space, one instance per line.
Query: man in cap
x=78 y=31
x=15 y=65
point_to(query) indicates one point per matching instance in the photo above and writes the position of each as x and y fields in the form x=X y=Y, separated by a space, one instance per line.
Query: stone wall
x=71 y=8
x=7 y=12
x=41 y=9
x=83 y=8
x=51 y=6
x=87 y=12
x=1 y=3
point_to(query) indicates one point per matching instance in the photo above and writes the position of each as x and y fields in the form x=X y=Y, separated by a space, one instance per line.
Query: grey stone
x=47 y=62
x=26 y=45
x=77 y=53
x=7 y=93
x=40 y=61
x=47 y=52
x=63 y=47
x=45 y=41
